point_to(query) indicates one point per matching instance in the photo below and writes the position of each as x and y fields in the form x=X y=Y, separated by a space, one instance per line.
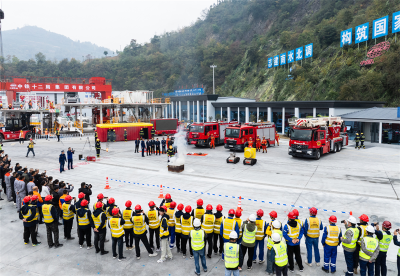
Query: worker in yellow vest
x=198 y=237
x=293 y=232
x=396 y=242
x=279 y=255
x=128 y=225
x=239 y=221
x=68 y=210
x=166 y=200
x=171 y=223
x=362 y=228
x=312 y=226
x=50 y=217
x=274 y=227
x=260 y=235
x=207 y=224
x=218 y=240
x=116 y=224
x=110 y=206
x=29 y=217
x=384 y=238
x=85 y=222
x=164 y=234
x=229 y=224
x=330 y=241
x=296 y=213
x=139 y=228
x=100 y=230
x=249 y=229
x=369 y=251
x=154 y=225
x=349 y=242
x=233 y=255
x=199 y=211
x=187 y=226
x=100 y=198
x=178 y=227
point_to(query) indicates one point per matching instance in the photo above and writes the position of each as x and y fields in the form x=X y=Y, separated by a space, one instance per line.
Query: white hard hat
x=276 y=224
x=196 y=222
x=276 y=237
x=352 y=220
x=233 y=235
x=252 y=217
x=370 y=229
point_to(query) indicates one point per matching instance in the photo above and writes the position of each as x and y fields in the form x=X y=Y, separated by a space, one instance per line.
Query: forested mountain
x=25 y=42
x=238 y=36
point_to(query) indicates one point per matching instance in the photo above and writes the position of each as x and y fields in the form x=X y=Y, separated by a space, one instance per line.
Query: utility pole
x=213 y=66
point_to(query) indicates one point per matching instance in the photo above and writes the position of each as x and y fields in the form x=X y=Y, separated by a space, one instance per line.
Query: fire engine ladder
x=319 y=121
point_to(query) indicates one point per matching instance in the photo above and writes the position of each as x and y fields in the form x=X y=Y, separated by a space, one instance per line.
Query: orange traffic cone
x=239 y=204
x=107 y=186
x=351 y=213
x=161 y=192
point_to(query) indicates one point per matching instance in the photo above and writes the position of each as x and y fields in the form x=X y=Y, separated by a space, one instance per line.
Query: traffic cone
x=161 y=192
x=351 y=213
x=107 y=186
x=239 y=204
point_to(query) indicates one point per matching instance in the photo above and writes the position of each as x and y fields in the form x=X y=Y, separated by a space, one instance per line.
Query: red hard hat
x=164 y=207
x=200 y=202
x=333 y=219
x=313 y=211
x=84 y=202
x=296 y=212
x=68 y=198
x=34 y=197
x=231 y=212
x=172 y=205
x=28 y=198
x=387 y=224
x=180 y=206
x=219 y=207
x=81 y=195
x=99 y=205
x=47 y=198
x=364 y=217
x=138 y=207
x=291 y=216
x=209 y=207
x=151 y=204
x=273 y=214
x=260 y=213
x=167 y=196
x=115 y=211
x=128 y=203
x=188 y=209
x=238 y=213
x=100 y=196
x=111 y=200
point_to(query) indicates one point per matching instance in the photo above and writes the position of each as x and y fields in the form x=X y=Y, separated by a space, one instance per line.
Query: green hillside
x=238 y=36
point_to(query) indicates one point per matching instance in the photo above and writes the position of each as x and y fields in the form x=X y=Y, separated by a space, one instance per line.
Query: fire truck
x=200 y=133
x=312 y=137
x=165 y=126
x=19 y=120
x=237 y=135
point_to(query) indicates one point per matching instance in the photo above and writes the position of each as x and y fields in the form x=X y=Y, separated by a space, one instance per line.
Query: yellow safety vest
x=249 y=237
x=313 y=227
x=217 y=224
x=154 y=221
x=370 y=244
x=171 y=213
x=139 y=225
x=187 y=225
x=197 y=239
x=293 y=232
x=67 y=213
x=398 y=253
x=46 y=210
x=127 y=215
x=29 y=213
x=97 y=221
x=116 y=228
x=208 y=223
x=385 y=242
x=363 y=233
x=108 y=213
x=240 y=222
x=270 y=242
x=356 y=233
x=167 y=204
x=281 y=258
x=163 y=233
x=178 y=226
x=260 y=229
x=332 y=239
x=229 y=226
x=198 y=213
x=299 y=222
x=83 y=220
x=31 y=145
x=231 y=255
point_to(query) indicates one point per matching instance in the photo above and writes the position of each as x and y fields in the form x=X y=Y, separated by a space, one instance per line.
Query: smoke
x=180 y=144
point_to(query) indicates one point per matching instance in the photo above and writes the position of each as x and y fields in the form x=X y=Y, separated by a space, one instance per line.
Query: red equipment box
x=91 y=158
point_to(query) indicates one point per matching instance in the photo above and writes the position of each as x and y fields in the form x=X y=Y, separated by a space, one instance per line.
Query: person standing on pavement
x=100 y=230
x=330 y=241
x=20 y=190
x=312 y=226
x=62 y=159
x=362 y=228
x=128 y=225
x=171 y=223
x=154 y=225
x=85 y=222
x=249 y=229
x=293 y=232
x=141 y=133
x=279 y=255
x=218 y=240
x=238 y=214
x=198 y=237
x=58 y=134
x=199 y=211
x=384 y=238
x=30 y=148
x=362 y=140
x=29 y=218
x=68 y=210
x=170 y=153
x=117 y=233
x=125 y=135
x=148 y=147
x=369 y=252
x=260 y=236
x=178 y=227
x=139 y=227
x=21 y=137
x=207 y=224
x=7 y=177
x=50 y=218
x=164 y=234
x=396 y=242
x=357 y=139
x=233 y=255
x=143 y=146
x=70 y=157
x=187 y=226
x=137 y=143
x=228 y=225
x=163 y=145
x=277 y=137
x=273 y=227
x=98 y=147
x=349 y=242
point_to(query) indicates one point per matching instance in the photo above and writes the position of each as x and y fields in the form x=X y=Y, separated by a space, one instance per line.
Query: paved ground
x=361 y=181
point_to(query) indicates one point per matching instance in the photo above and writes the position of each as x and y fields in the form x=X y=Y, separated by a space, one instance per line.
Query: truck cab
x=200 y=133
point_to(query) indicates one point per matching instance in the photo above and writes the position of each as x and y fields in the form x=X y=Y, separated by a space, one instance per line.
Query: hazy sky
x=108 y=23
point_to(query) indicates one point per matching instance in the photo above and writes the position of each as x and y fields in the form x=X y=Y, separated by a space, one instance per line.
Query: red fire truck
x=165 y=126
x=238 y=134
x=312 y=137
x=200 y=133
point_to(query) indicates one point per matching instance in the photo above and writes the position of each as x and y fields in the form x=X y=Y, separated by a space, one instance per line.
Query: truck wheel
x=1 y=138
x=163 y=134
x=334 y=148
x=268 y=144
x=244 y=163
x=317 y=155
x=28 y=136
x=339 y=148
x=254 y=161
x=227 y=160
x=237 y=159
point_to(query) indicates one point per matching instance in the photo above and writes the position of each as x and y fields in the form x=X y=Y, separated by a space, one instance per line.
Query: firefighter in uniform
x=164 y=235
x=154 y=225
x=207 y=224
x=139 y=228
x=233 y=255
x=312 y=227
x=362 y=140
x=171 y=223
x=385 y=239
x=249 y=143
x=362 y=228
x=187 y=226
x=125 y=135
x=212 y=141
x=260 y=235
x=258 y=143
x=277 y=137
x=128 y=226
x=369 y=251
x=100 y=230
x=349 y=242
x=50 y=217
x=330 y=241
x=98 y=147
x=170 y=153
x=264 y=144
x=239 y=221
x=219 y=219
x=141 y=133
x=68 y=210
x=178 y=227
x=357 y=139
x=228 y=226
x=293 y=232
x=198 y=237
x=153 y=132
x=279 y=255
x=95 y=136
x=199 y=211
x=9 y=106
x=117 y=233
x=58 y=134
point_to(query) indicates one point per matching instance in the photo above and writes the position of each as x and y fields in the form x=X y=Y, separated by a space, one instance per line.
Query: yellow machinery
x=249 y=156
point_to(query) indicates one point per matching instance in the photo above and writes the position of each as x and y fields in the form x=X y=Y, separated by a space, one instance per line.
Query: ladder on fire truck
x=314 y=122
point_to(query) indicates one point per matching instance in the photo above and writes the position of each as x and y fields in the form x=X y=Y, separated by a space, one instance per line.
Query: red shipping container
x=132 y=130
